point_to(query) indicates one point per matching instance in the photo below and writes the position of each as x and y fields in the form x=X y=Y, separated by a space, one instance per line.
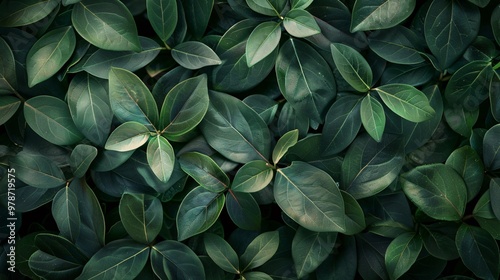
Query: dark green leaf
x=60 y=247
x=402 y=254
x=24 y=12
x=300 y=23
x=205 y=171
x=290 y=119
x=263 y=40
x=355 y=218
x=397 y=45
x=37 y=170
x=161 y=157
x=491 y=148
x=460 y=119
x=352 y=66
x=260 y=250
x=380 y=14
x=81 y=158
x=195 y=55
x=51 y=267
x=252 y=177
x=243 y=210
x=267 y=7
x=310 y=197
x=221 y=253
x=110 y=31
x=66 y=213
x=142 y=216
x=171 y=259
x=127 y=137
x=8 y=107
x=50 y=118
x=310 y=249
x=198 y=211
x=373 y=117
x=263 y=105
x=439 y=240
x=286 y=141
x=414 y=75
x=8 y=79
x=495 y=23
x=437 y=189
x=468 y=164
x=370 y=252
x=162 y=15
x=197 y=15
x=256 y=275
x=495 y=98
x=388 y=228
x=300 y=4
x=495 y=196
x=108 y=160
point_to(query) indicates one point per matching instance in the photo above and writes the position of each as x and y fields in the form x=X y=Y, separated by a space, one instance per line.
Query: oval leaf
x=20 y=13
x=267 y=7
x=373 y=117
x=80 y=159
x=141 y=216
x=352 y=66
x=243 y=210
x=397 y=45
x=127 y=137
x=221 y=253
x=170 y=257
x=205 y=171
x=161 y=157
x=162 y=15
x=252 y=177
x=286 y=141
x=300 y=23
x=402 y=253
x=491 y=148
x=195 y=55
x=260 y=250
x=468 y=164
x=66 y=213
x=8 y=79
x=263 y=40
x=8 y=107
x=379 y=14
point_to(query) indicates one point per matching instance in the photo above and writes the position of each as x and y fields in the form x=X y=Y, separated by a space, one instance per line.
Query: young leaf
x=20 y=13
x=195 y=55
x=243 y=210
x=260 y=250
x=122 y=258
x=221 y=253
x=8 y=79
x=373 y=117
x=198 y=211
x=300 y=4
x=170 y=257
x=110 y=31
x=142 y=216
x=50 y=118
x=380 y=14
x=162 y=15
x=468 y=164
x=402 y=254
x=437 y=189
x=352 y=66
x=300 y=23
x=406 y=101
x=127 y=137
x=205 y=171
x=66 y=213
x=80 y=159
x=284 y=143
x=263 y=40
x=310 y=197
x=252 y=177
x=8 y=107
x=161 y=157
x=491 y=148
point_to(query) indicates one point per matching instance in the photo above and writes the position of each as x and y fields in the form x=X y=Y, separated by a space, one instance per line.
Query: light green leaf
x=300 y=23
x=267 y=7
x=286 y=141
x=162 y=15
x=8 y=77
x=50 y=118
x=127 y=137
x=355 y=217
x=161 y=157
x=260 y=250
x=8 y=107
x=352 y=66
x=170 y=258
x=142 y=216
x=263 y=40
x=195 y=55
x=379 y=14
x=243 y=210
x=300 y=4
x=402 y=254
x=81 y=158
x=205 y=171
x=252 y=177
x=24 y=12
x=310 y=197
x=256 y=275
x=406 y=101
x=114 y=31
x=469 y=165
x=491 y=148
x=221 y=253
x=373 y=117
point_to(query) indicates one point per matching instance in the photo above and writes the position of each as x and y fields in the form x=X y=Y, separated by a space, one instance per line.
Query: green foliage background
x=251 y=139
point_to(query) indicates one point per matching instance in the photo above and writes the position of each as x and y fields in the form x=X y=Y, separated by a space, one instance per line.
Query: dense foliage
x=250 y=139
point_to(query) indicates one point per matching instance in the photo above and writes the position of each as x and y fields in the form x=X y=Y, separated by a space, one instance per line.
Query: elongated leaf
x=24 y=12
x=495 y=25
x=352 y=66
x=205 y=171
x=8 y=79
x=198 y=211
x=197 y=16
x=221 y=253
x=127 y=137
x=310 y=249
x=310 y=197
x=468 y=164
x=66 y=213
x=479 y=251
x=162 y=15
x=494 y=98
x=450 y=26
x=243 y=210
x=110 y=31
x=252 y=177
x=161 y=157
x=439 y=240
x=437 y=189
x=8 y=107
x=235 y=130
x=491 y=148
x=373 y=117
x=355 y=217
x=171 y=258
x=379 y=14
x=406 y=101
x=263 y=40
x=184 y=106
x=257 y=275
x=123 y=259
x=267 y=7
x=397 y=45
x=50 y=118
x=260 y=250
x=130 y=99
x=81 y=158
x=402 y=254
x=300 y=23
x=195 y=55
x=142 y=216
x=48 y=266
x=286 y=141
x=300 y=4
x=290 y=119
x=60 y=247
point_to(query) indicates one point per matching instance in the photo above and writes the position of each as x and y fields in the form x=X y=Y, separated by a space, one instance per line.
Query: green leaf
x=161 y=157
x=195 y=55
x=437 y=189
x=170 y=258
x=8 y=107
x=310 y=197
x=260 y=250
x=252 y=177
x=127 y=137
x=263 y=105
x=123 y=259
x=460 y=119
x=197 y=16
x=235 y=130
x=286 y=141
x=478 y=251
x=379 y=14
x=267 y=7
x=8 y=78
x=468 y=164
x=355 y=217
x=449 y=28
x=221 y=253
x=373 y=117
x=142 y=216
x=66 y=213
x=51 y=267
x=110 y=31
x=37 y=170
x=60 y=247
x=256 y=275
x=300 y=23
x=184 y=106
x=494 y=196
x=491 y=148
x=300 y=4
x=263 y=40
x=406 y=101
x=89 y=107
x=310 y=249
x=205 y=171
x=81 y=158
x=352 y=66
x=439 y=240
x=397 y=45
x=495 y=98
x=305 y=79
x=162 y=15
x=495 y=23
x=24 y=12
x=130 y=99
x=198 y=211
x=243 y=210
x=402 y=254
x=290 y=119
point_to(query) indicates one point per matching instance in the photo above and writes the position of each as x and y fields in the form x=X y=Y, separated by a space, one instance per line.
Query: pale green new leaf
x=127 y=137
x=373 y=117
x=161 y=157
x=262 y=42
x=195 y=55
x=380 y=14
x=286 y=141
x=300 y=23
